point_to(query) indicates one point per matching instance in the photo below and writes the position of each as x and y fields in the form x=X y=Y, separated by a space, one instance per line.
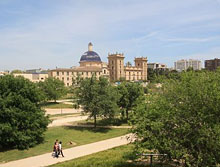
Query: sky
x=55 y=33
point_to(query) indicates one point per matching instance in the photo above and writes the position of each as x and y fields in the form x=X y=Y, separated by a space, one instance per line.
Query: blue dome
x=90 y=56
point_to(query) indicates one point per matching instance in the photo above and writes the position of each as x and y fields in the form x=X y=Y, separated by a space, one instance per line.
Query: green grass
x=66 y=134
x=54 y=105
x=122 y=156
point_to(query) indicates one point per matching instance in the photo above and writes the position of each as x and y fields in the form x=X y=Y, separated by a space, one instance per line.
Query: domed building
x=90 y=64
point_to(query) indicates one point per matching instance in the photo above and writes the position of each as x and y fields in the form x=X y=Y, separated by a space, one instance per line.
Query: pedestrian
x=60 y=149
x=56 y=149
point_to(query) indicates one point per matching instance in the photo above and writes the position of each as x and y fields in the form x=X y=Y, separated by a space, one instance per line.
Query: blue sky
x=55 y=33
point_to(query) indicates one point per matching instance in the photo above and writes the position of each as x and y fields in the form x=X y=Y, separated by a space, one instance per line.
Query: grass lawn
x=77 y=135
x=122 y=156
x=54 y=105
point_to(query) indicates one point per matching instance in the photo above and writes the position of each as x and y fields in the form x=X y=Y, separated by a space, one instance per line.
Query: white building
x=157 y=66
x=181 y=65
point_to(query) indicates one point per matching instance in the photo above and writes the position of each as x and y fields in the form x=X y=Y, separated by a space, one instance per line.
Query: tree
x=53 y=88
x=130 y=94
x=183 y=120
x=16 y=71
x=97 y=97
x=22 y=121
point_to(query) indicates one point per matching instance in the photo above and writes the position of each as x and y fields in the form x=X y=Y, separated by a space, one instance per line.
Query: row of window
x=79 y=73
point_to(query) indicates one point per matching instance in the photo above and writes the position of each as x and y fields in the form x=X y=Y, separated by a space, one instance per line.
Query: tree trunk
x=127 y=114
x=95 y=120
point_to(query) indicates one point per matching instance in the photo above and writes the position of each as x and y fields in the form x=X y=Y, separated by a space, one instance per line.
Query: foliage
x=183 y=120
x=16 y=72
x=77 y=135
x=130 y=94
x=97 y=97
x=53 y=88
x=22 y=122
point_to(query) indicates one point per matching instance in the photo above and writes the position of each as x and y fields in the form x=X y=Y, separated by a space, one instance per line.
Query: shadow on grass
x=91 y=129
x=47 y=104
x=106 y=122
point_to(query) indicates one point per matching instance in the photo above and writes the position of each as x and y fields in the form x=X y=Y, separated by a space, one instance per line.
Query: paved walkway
x=62 y=111
x=71 y=153
x=67 y=121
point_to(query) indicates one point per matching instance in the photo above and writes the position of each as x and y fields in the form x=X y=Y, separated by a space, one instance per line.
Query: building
x=212 y=64
x=118 y=71
x=155 y=66
x=35 y=77
x=2 y=73
x=181 y=65
x=90 y=64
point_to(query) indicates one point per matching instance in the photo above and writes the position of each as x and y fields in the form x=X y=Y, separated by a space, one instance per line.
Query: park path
x=67 y=121
x=62 y=111
x=71 y=153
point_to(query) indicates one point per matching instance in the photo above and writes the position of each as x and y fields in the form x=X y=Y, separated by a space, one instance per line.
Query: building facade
x=91 y=64
x=118 y=71
x=35 y=77
x=181 y=65
x=212 y=64
x=155 y=66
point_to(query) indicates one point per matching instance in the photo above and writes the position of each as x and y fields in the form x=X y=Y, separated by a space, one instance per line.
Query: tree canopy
x=53 y=88
x=97 y=97
x=22 y=122
x=130 y=94
x=183 y=119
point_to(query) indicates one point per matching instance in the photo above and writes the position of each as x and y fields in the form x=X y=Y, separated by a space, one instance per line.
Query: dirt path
x=71 y=153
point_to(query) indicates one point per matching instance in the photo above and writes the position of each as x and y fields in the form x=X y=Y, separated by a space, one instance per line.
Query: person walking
x=60 y=149
x=56 y=149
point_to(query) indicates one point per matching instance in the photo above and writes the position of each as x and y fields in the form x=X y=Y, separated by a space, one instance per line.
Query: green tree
x=97 y=97
x=183 y=120
x=130 y=94
x=16 y=71
x=53 y=88
x=22 y=121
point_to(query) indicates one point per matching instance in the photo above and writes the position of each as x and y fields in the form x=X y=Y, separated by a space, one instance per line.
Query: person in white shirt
x=60 y=149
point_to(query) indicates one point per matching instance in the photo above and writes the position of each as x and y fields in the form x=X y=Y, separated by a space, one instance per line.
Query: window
x=67 y=84
x=67 y=73
x=67 y=78
x=104 y=72
x=57 y=73
x=63 y=78
x=62 y=73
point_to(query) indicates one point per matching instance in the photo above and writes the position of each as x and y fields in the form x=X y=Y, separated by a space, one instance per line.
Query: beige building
x=36 y=77
x=2 y=73
x=118 y=71
x=91 y=64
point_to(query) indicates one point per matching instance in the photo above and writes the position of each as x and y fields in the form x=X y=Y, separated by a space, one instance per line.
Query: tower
x=116 y=66
x=141 y=62
x=90 y=46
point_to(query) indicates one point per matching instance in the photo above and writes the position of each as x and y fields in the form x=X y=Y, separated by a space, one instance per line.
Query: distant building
x=91 y=64
x=212 y=64
x=181 y=65
x=118 y=71
x=157 y=66
x=36 y=71
x=4 y=73
x=35 y=77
